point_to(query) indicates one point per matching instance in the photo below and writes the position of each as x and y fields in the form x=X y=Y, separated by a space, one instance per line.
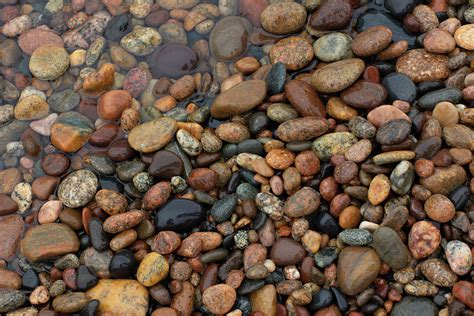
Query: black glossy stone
x=429 y=100
x=258 y=121
x=30 y=280
x=85 y=278
x=252 y=146
x=229 y=150
x=321 y=299
x=98 y=237
x=370 y=308
x=179 y=215
x=459 y=197
x=341 y=300
x=276 y=79
x=373 y=18
x=165 y=165
x=228 y=241
x=122 y=265
x=118 y=27
x=325 y=223
x=90 y=309
x=275 y=277
x=428 y=86
x=248 y=286
x=399 y=87
x=400 y=8
x=243 y=304
x=173 y=60
x=234 y=182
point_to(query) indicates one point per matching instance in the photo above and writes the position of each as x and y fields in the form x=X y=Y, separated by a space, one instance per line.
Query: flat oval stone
x=173 y=60
x=438 y=272
x=459 y=257
x=71 y=131
x=371 y=41
x=444 y=180
x=302 y=129
x=165 y=165
x=364 y=95
x=333 y=47
x=229 y=37
x=304 y=98
x=393 y=132
x=399 y=87
x=152 y=135
x=330 y=16
x=337 y=76
x=239 y=99
x=420 y=65
x=464 y=36
x=283 y=17
x=179 y=215
x=302 y=203
x=49 y=241
x=333 y=144
x=391 y=248
x=78 y=188
x=429 y=100
x=286 y=251
x=412 y=305
x=357 y=268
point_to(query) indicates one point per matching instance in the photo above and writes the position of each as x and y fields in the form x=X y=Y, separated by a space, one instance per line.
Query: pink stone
x=49 y=212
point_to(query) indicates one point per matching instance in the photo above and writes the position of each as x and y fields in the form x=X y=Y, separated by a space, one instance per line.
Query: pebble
x=444 y=180
x=294 y=52
x=23 y=196
x=7 y=205
x=339 y=110
x=70 y=131
x=330 y=16
x=286 y=251
x=219 y=299
x=152 y=136
x=223 y=208
x=264 y=300
x=283 y=18
x=49 y=241
x=391 y=248
x=459 y=257
x=78 y=188
x=333 y=47
x=402 y=177
x=153 y=268
x=364 y=94
x=438 y=272
x=229 y=37
x=355 y=237
x=49 y=212
x=64 y=101
x=120 y=296
x=420 y=65
x=379 y=189
x=141 y=41
x=412 y=305
x=464 y=36
x=357 y=269
x=333 y=144
x=439 y=208
x=337 y=76
x=303 y=98
x=11 y=299
x=400 y=87
x=463 y=291
x=303 y=202
x=439 y=41
x=457 y=135
x=49 y=62
x=371 y=41
x=17 y=25
x=301 y=129
x=421 y=288
x=70 y=303
x=431 y=99
x=239 y=99
x=100 y=80
x=424 y=239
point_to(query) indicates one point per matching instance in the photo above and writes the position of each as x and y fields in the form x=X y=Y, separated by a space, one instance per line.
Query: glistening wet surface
x=236 y=157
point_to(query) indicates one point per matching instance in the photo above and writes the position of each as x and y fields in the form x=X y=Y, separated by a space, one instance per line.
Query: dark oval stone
x=234 y=261
x=304 y=98
x=173 y=60
x=400 y=7
x=428 y=86
x=320 y=299
x=98 y=237
x=364 y=95
x=85 y=278
x=229 y=150
x=252 y=146
x=393 y=132
x=179 y=215
x=243 y=303
x=7 y=205
x=223 y=208
x=428 y=147
x=103 y=136
x=205 y=159
x=214 y=255
x=258 y=121
x=55 y=164
x=118 y=27
x=287 y=251
x=459 y=197
x=411 y=305
x=384 y=67
x=248 y=286
x=429 y=100
x=276 y=78
x=229 y=38
x=90 y=309
x=165 y=165
x=331 y=15
x=400 y=87
x=30 y=280
x=325 y=223
x=120 y=150
x=259 y=220
x=122 y=265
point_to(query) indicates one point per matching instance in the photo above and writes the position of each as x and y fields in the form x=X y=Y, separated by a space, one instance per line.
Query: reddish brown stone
x=112 y=103
x=11 y=230
x=7 y=205
x=55 y=164
x=304 y=98
x=202 y=179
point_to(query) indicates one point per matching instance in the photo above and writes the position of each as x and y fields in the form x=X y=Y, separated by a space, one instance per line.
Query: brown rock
x=11 y=230
x=330 y=16
x=280 y=159
x=8 y=205
x=112 y=103
x=30 y=40
x=286 y=251
x=304 y=98
x=283 y=17
x=357 y=268
x=100 y=80
x=183 y=88
x=439 y=208
x=111 y=202
x=9 y=178
x=48 y=241
x=294 y=51
x=444 y=180
x=424 y=239
x=9 y=279
x=302 y=129
x=339 y=110
x=119 y=222
x=379 y=189
x=439 y=41
x=264 y=300
x=307 y=163
x=55 y=164
x=157 y=195
x=232 y=132
x=420 y=65
x=371 y=41
x=254 y=254
x=219 y=298
x=165 y=242
x=183 y=301
x=302 y=203
x=153 y=135
x=202 y=179
x=364 y=95
x=44 y=186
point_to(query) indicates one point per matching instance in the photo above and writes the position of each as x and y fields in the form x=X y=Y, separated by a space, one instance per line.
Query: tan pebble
x=379 y=189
